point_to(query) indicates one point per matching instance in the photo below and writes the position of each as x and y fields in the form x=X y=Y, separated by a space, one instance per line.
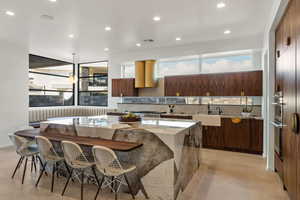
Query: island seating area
x=156 y=147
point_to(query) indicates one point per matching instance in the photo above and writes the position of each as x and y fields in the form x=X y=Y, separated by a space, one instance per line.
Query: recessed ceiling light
x=107 y=28
x=227 y=32
x=156 y=18
x=138 y=44
x=10 y=13
x=106 y=49
x=71 y=36
x=178 y=39
x=221 y=5
x=52 y=0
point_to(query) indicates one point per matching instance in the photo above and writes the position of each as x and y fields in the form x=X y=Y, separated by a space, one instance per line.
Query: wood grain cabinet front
x=124 y=87
x=246 y=136
x=220 y=84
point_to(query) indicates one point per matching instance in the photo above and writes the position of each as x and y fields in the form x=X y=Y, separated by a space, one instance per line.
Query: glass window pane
x=179 y=66
x=48 y=82
x=93 y=83
x=93 y=69
x=43 y=99
x=93 y=98
x=65 y=70
x=128 y=70
x=227 y=63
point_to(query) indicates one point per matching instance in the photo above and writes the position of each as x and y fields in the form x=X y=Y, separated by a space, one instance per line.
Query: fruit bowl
x=130 y=117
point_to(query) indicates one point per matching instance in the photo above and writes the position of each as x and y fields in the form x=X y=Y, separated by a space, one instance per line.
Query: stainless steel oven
x=278 y=121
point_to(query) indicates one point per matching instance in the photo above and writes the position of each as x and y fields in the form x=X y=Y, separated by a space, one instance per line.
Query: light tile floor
x=223 y=176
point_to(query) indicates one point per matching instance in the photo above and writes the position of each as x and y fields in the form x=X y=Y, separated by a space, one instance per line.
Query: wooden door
x=170 y=87
x=124 y=87
x=256 y=136
x=289 y=92
x=252 y=83
x=217 y=85
x=237 y=135
x=233 y=84
x=213 y=137
x=297 y=37
x=116 y=87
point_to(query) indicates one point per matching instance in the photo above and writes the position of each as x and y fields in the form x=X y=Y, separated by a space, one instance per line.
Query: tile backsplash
x=194 y=100
x=187 y=108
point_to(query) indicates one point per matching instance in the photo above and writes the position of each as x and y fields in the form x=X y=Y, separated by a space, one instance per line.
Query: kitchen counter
x=222 y=116
x=171 y=149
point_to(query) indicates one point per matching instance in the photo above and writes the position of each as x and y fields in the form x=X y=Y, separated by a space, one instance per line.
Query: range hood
x=145 y=74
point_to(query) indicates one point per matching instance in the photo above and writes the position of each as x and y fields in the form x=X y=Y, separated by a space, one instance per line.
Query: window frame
x=88 y=77
x=201 y=58
x=45 y=90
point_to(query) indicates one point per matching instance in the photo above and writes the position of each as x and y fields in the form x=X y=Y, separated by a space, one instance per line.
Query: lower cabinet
x=246 y=136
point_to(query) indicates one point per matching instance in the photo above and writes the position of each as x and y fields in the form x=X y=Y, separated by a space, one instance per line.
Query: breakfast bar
x=158 y=147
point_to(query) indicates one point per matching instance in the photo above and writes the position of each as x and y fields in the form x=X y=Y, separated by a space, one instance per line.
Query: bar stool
x=50 y=156
x=108 y=164
x=25 y=150
x=76 y=159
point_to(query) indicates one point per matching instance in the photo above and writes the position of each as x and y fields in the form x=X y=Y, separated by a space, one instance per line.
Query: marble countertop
x=112 y=122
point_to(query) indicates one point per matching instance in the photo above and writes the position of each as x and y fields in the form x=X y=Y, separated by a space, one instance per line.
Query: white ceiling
x=131 y=22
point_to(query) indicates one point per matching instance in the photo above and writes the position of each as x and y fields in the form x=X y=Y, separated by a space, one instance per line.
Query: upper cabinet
x=123 y=87
x=227 y=84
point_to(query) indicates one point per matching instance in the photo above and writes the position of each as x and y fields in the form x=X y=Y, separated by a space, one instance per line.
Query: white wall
x=251 y=42
x=13 y=89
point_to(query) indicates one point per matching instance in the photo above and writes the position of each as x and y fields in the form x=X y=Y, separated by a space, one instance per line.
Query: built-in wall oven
x=278 y=121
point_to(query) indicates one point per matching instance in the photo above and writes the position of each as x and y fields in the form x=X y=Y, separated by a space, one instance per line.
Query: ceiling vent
x=47 y=17
x=149 y=40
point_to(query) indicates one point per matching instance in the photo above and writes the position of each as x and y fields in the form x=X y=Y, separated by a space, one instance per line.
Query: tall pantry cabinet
x=288 y=81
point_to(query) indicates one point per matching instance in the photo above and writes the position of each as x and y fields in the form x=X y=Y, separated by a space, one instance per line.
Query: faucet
x=209 y=111
x=220 y=111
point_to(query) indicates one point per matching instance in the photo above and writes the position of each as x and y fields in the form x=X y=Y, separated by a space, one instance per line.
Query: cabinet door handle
x=288 y=41
x=295 y=123
x=278 y=53
x=278 y=125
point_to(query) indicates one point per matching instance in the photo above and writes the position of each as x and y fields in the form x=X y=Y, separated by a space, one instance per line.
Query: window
x=128 y=70
x=244 y=60
x=178 y=66
x=93 y=84
x=50 y=85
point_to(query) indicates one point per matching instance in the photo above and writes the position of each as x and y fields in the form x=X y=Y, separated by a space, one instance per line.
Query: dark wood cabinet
x=246 y=136
x=252 y=83
x=213 y=137
x=123 y=87
x=256 y=135
x=226 y=84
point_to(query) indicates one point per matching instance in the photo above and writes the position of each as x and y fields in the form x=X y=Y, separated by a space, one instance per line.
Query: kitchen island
x=166 y=161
